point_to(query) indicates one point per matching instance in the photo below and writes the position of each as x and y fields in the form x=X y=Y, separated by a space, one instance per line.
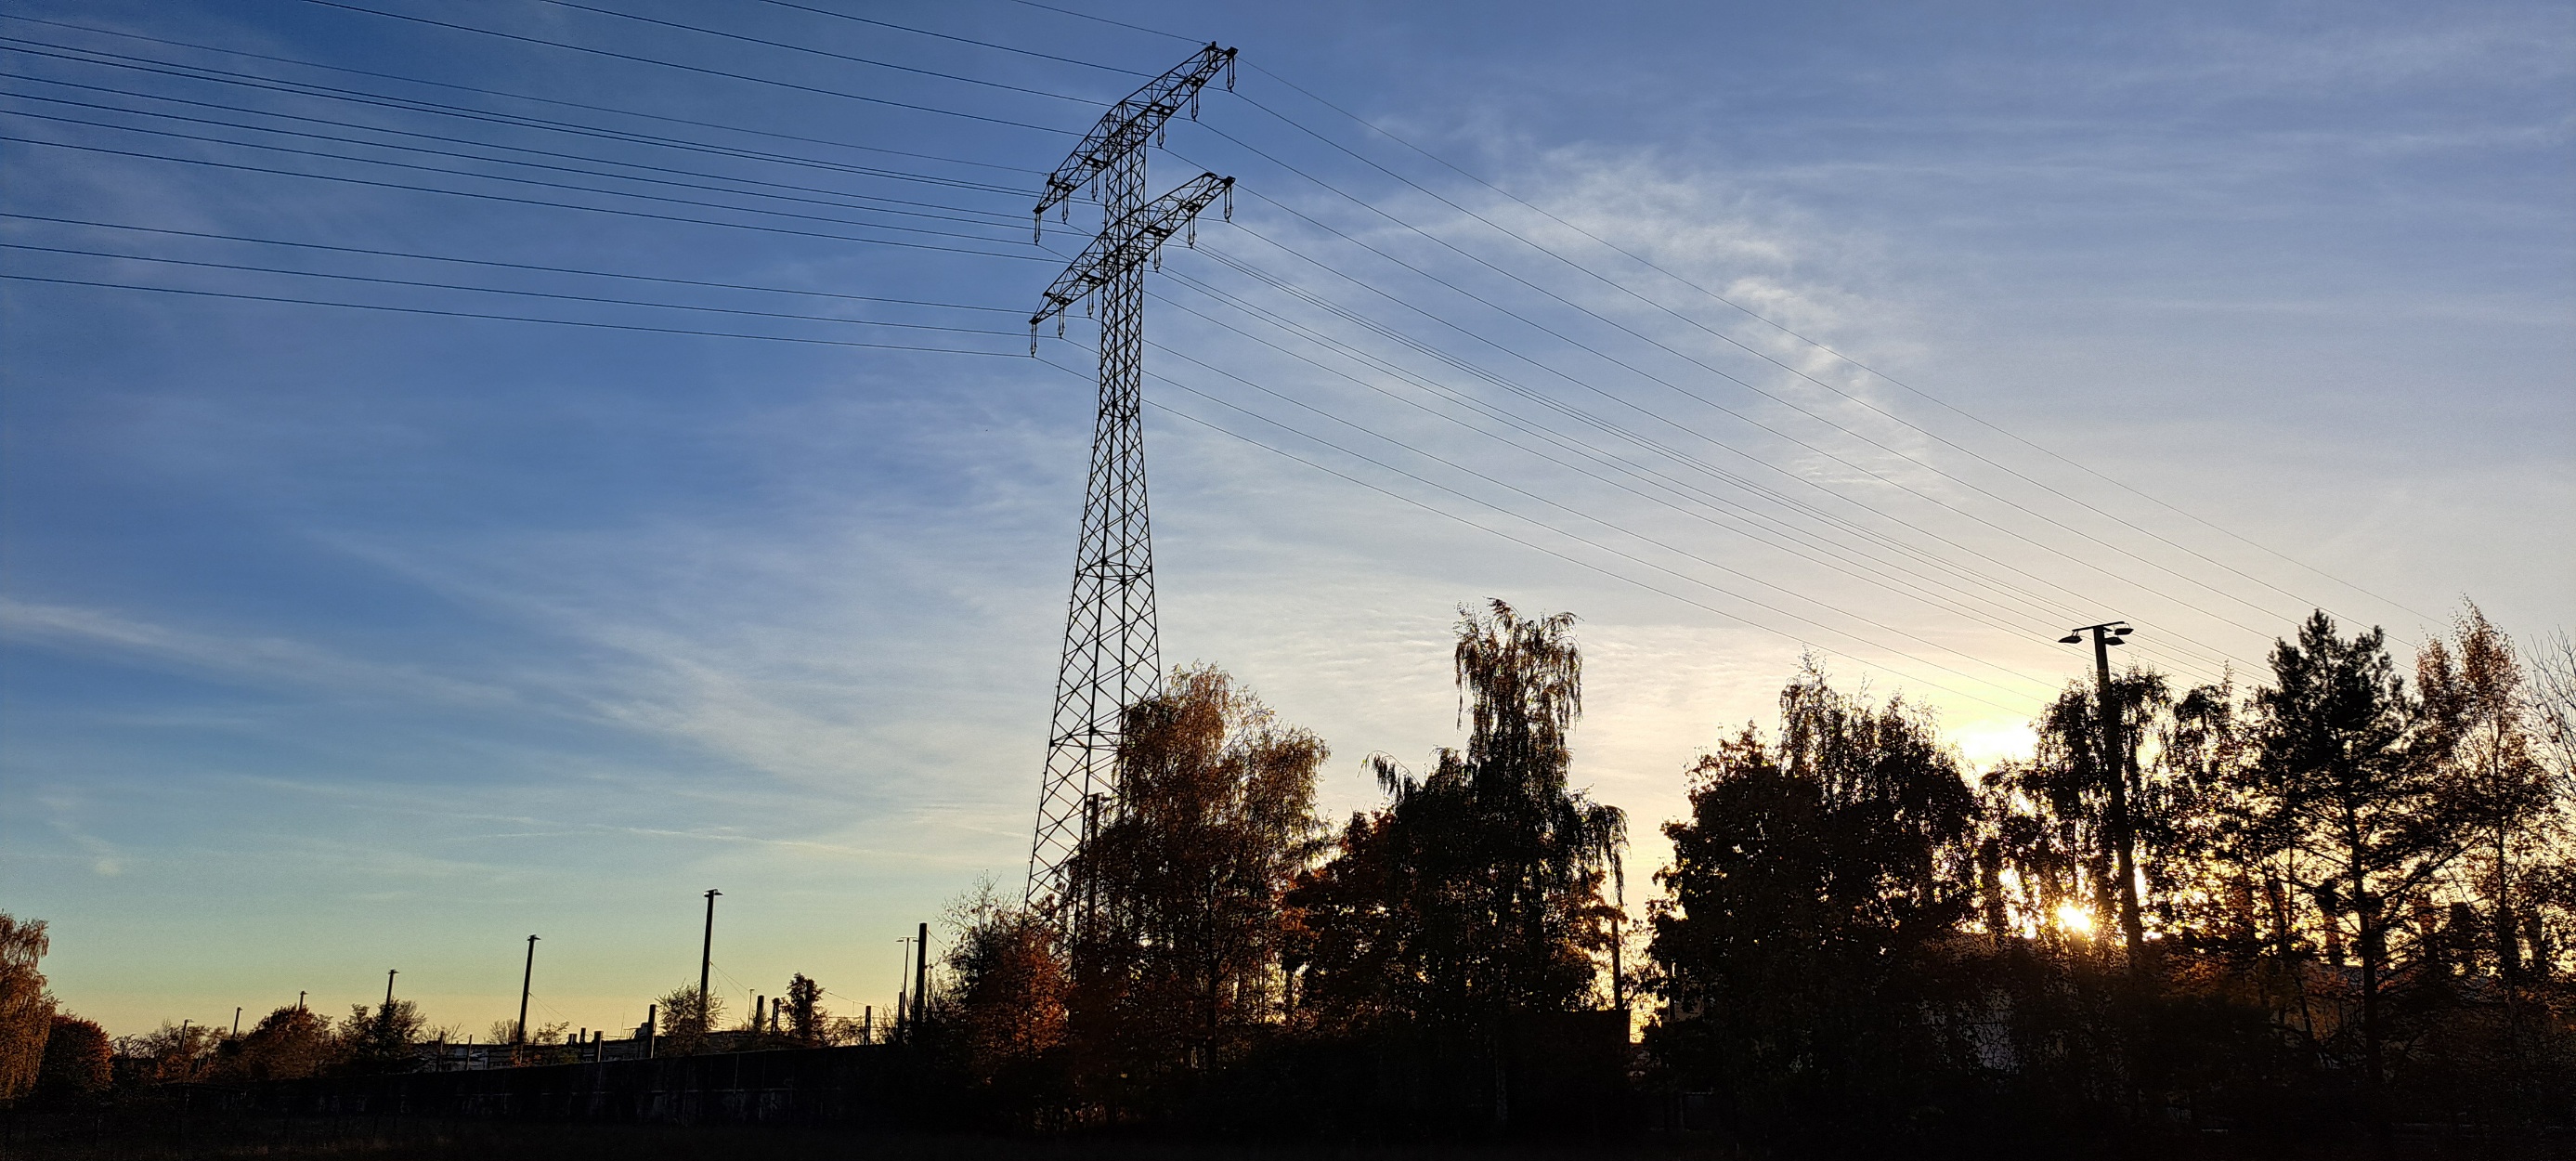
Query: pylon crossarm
x=1126 y=243
x=1129 y=122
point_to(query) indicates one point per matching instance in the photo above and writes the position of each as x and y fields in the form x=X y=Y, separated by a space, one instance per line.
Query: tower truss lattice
x=1112 y=648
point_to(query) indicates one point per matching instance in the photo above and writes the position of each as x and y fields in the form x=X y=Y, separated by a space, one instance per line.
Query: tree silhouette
x=75 y=1064
x=2350 y=774
x=1177 y=920
x=1808 y=887
x=288 y=1043
x=26 y=1009
x=688 y=1016
x=1477 y=890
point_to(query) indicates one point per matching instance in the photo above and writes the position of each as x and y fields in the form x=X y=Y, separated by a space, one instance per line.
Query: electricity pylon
x=1112 y=649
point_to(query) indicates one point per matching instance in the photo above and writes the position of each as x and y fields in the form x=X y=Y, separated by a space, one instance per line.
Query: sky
x=462 y=475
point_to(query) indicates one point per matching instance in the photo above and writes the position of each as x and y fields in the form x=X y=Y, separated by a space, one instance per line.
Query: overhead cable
x=200 y=161
x=1013 y=311
x=757 y=80
x=423 y=310
x=504 y=94
x=991 y=218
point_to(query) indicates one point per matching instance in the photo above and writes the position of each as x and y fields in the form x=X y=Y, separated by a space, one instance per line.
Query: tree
x=75 y=1062
x=286 y=1044
x=688 y=1015
x=1476 y=891
x=167 y=1054
x=26 y=1009
x=1808 y=887
x=384 y=1040
x=2056 y=828
x=2350 y=776
x=1176 y=905
x=2474 y=713
x=805 y=1011
x=1003 y=1011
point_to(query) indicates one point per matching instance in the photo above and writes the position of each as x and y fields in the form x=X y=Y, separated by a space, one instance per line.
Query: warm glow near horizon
x=413 y=554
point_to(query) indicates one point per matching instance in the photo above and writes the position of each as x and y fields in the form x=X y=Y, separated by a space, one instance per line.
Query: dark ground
x=176 y=1134
x=360 y=1139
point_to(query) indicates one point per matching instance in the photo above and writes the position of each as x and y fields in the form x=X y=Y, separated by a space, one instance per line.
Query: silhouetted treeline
x=2348 y=907
x=2351 y=904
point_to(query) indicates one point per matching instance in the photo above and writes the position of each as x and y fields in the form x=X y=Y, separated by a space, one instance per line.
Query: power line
x=960 y=39
x=988 y=218
x=666 y=198
x=502 y=317
x=383 y=281
x=381 y=253
x=494 y=93
x=204 y=74
x=757 y=80
x=809 y=49
x=1105 y=20
x=520 y=200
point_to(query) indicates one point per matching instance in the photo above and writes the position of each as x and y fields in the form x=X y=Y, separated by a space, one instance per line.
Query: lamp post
x=706 y=960
x=2115 y=759
x=526 y=977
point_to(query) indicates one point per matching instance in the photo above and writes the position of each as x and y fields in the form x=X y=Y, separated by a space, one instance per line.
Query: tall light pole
x=526 y=977
x=2115 y=759
x=902 y=994
x=706 y=960
x=921 y=975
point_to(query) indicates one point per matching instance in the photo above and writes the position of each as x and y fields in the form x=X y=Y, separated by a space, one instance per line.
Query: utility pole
x=2115 y=760
x=526 y=977
x=706 y=960
x=1112 y=646
x=299 y=1001
x=902 y=997
x=236 y=1021
x=1618 y=978
x=389 y=990
x=921 y=976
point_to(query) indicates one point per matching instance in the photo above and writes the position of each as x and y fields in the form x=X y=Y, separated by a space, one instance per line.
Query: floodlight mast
x=1112 y=646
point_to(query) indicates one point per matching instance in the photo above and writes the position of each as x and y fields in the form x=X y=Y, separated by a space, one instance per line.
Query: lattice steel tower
x=1112 y=652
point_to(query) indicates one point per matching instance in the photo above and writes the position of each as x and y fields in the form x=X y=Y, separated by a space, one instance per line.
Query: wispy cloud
x=263 y=659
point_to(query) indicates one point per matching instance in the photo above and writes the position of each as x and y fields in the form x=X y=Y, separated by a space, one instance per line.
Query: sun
x=2075 y=919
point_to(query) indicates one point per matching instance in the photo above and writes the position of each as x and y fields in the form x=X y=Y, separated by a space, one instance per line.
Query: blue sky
x=341 y=640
